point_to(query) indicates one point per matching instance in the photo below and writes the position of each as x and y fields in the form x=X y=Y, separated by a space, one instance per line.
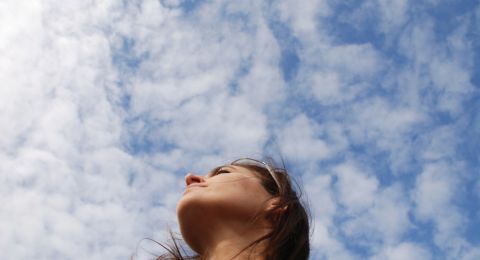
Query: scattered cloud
x=104 y=106
x=404 y=251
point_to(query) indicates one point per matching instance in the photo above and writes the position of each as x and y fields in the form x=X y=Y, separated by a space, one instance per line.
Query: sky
x=106 y=105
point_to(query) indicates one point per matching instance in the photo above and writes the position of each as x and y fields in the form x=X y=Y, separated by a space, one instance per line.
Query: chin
x=186 y=202
x=182 y=206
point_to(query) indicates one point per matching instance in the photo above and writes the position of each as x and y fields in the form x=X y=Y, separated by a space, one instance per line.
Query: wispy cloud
x=105 y=106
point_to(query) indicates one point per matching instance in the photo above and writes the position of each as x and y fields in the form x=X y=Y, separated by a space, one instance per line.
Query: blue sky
x=106 y=105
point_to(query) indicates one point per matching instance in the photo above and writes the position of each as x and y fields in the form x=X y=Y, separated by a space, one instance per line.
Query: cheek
x=248 y=198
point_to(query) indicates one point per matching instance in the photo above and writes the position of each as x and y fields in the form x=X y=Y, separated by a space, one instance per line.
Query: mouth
x=195 y=185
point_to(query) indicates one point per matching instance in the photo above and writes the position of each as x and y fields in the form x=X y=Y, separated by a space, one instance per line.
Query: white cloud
x=327 y=86
x=393 y=14
x=319 y=189
x=357 y=208
x=323 y=209
x=387 y=126
x=374 y=215
x=329 y=89
x=377 y=119
x=435 y=191
x=448 y=65
x=388 y=16
x=342 y=72
x=404 y=251
x=300 y=140
x=354 y=60
x=184 y=82
x=383 y=223
x=439 y=144
x=14 y=40
x=68 y=190
x=472 y=253
x=356 y=189
x=201 y=122
x=303 y=16
x=92 y=91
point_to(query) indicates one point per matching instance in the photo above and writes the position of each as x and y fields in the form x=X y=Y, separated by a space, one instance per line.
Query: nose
x=192 y=178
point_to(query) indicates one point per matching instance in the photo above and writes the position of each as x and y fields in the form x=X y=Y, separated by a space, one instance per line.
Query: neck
x=230 y=241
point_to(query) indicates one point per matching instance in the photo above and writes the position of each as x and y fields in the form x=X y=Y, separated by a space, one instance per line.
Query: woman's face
x=233 y=194
x=231 y=190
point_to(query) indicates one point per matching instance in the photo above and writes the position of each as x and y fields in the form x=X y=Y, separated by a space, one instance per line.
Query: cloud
x=324 y=236
x=393 y=14
x=104 y=106
x=435 y=188
x=360 y=198
x=444 y=93
x=373 y=215
x=203 y=122
x=342 y=73
x=299 y=140
x=404 y=251
x=435 y=193
x=303 y=18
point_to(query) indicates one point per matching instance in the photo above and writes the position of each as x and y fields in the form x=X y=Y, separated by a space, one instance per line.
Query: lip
x=195 y=185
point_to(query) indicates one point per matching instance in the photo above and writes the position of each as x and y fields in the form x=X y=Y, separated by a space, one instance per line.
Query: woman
x=247 y=209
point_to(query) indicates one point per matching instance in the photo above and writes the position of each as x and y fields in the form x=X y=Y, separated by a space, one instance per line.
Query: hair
x=289 y=237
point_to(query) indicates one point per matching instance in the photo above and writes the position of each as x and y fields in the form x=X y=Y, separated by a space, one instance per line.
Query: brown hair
x=290 y=233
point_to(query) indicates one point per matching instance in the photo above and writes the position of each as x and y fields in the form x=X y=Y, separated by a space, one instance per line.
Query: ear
x=273 y=204
x=273 y=211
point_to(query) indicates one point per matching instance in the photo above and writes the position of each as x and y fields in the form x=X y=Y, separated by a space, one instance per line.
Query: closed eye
x=221 y=171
